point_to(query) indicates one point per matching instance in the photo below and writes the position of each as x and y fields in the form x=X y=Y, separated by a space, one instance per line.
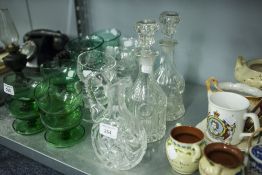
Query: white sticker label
x=108 y=130
x=9 y=89
x=71 y=73
x=146 y=69
x=171 y=152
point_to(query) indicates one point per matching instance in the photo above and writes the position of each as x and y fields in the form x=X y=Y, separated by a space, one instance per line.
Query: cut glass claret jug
x=166 y=74
x=95 y=69
x=145 y=99
x=119 y=139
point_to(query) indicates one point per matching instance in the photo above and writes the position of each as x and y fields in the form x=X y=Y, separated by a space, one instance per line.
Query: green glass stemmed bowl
x=22 y=105
x=61 y=112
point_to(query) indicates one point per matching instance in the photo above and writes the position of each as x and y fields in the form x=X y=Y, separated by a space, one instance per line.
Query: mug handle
x=251 y=138
x=256 y=122
x=197 y=152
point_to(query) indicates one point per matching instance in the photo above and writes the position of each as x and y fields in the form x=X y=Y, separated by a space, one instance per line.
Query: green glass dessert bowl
x=21 y=104
x=60 y=71
x=61 y=112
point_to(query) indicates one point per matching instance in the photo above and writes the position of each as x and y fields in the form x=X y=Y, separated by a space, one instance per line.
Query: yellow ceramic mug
x=221 y=159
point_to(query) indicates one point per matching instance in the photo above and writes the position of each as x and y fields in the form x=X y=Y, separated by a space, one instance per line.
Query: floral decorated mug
x=254 y=165
x=183 y=148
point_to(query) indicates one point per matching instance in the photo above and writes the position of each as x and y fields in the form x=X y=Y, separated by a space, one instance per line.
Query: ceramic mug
x=254 y=165
x=221 y=159
x=227 y=114
x=183 y=148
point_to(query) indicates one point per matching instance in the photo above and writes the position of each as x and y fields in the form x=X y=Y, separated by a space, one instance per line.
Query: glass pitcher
x=119 y=139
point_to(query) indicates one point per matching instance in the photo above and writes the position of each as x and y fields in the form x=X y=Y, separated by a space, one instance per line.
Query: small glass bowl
x=82 y=44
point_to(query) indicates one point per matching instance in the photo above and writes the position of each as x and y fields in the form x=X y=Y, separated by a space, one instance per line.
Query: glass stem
x=65 y=134
x=31 y=122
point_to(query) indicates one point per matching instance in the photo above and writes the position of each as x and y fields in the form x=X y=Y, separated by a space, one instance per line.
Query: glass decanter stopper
x=119 y=139
x=166 y=75
x=145 y=99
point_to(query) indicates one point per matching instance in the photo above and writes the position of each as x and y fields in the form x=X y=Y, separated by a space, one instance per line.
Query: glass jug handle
x=96 y=108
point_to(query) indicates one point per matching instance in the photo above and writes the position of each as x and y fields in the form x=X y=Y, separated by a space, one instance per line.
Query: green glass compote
x=59 y=72
x=61 y=112
x=22 y=105
x=111 y=37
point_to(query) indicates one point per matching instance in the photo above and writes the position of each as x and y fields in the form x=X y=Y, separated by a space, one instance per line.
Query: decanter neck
x=168 y=50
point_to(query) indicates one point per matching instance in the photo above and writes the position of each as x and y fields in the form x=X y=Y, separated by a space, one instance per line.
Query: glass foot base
x=64 y=139
x=26 y=127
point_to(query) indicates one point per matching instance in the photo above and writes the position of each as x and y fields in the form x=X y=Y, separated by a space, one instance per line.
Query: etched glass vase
x=145 y=99
x=119 y=139
x=166 y=75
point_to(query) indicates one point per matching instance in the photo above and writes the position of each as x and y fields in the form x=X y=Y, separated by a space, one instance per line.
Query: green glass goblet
x=61 y=112
x=22 y=105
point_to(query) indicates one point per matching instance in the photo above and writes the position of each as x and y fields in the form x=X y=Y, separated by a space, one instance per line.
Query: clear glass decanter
x=145 y=99
x=119 y=139
x=166 y=75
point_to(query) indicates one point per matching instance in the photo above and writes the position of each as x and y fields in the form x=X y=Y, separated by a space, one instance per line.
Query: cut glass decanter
x=166 y=75
x=145 y=99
